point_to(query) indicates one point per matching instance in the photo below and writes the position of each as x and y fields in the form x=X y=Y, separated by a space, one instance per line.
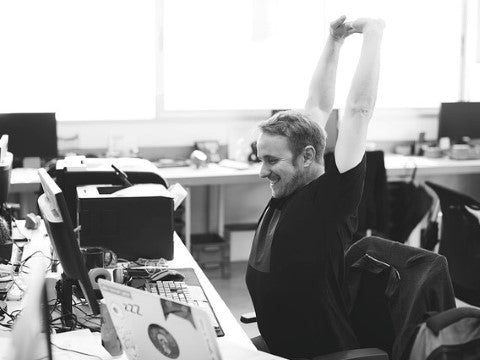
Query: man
x=295 y=270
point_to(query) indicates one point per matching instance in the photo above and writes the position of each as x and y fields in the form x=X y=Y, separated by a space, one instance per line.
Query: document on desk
x=68 y=345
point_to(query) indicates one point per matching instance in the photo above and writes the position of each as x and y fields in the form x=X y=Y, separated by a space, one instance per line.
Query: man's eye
x=272 y=161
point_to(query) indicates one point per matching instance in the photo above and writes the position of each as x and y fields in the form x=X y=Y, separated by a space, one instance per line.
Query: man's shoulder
x=332 y=170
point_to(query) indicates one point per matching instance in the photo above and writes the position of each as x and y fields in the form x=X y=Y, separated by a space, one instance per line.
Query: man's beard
x=295 y=183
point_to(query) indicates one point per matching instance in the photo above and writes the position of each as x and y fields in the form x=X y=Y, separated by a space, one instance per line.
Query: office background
x=159 y=75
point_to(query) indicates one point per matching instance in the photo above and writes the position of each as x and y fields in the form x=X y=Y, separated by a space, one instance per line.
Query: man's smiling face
x=278 y=165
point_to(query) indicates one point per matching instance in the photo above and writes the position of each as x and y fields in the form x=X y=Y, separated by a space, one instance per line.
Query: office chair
x=373 y=210
x=390 y=209
x=460 y=242
x=374 y=207
x=390 y=288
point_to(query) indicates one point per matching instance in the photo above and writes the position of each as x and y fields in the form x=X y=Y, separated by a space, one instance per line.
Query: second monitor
x=30 y=135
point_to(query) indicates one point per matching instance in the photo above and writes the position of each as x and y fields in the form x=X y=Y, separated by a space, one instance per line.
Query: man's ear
x=308 y=155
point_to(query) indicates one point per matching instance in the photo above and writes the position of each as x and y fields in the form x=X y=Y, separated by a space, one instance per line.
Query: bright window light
x=83 y=59
x=239 y=54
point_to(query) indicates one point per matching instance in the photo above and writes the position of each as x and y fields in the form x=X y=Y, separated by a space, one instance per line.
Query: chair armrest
x=356 y=354
x=248 y=318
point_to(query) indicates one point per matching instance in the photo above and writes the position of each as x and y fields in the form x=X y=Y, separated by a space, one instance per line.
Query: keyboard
x=186 y=294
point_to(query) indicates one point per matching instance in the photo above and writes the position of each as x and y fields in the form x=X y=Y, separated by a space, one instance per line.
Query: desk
x=235 y=338
x=25 y=181
x=398 y=167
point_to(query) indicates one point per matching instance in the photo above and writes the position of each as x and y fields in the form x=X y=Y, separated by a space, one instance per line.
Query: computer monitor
x=59 y=227
x=31 y=135
x=459 y=119
x=5 y=174
x=331 y=128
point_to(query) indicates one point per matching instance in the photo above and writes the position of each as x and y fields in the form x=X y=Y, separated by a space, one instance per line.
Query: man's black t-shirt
x=299 y=300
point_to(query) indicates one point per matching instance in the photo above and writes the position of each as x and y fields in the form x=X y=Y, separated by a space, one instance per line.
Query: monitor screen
x=5 y=174
x=459 y=119
x=30 y=134
x=59 y=227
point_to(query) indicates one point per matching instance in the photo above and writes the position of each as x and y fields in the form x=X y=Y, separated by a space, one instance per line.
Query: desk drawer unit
x=211 y=252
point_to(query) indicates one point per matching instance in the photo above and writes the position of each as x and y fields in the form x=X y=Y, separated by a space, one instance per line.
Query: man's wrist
x=336 y=40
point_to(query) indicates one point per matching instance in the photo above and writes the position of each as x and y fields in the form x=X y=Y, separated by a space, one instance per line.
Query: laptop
x=150 y=326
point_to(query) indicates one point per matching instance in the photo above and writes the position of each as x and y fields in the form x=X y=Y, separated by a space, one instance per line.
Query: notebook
x=152 y=327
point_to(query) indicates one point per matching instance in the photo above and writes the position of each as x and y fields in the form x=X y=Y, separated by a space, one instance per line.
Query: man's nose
x=264 y=171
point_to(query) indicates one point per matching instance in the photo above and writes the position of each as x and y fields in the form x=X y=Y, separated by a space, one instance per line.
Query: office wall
x=243 y=203
x=185 y=130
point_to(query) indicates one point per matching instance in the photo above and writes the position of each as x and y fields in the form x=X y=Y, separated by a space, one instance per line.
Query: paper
x=75 y=163
x=179 y=194
x=3 y=147
x=82 y=341
x=142 y=190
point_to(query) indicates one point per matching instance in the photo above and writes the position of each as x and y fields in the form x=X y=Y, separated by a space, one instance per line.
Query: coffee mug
x=98 y=257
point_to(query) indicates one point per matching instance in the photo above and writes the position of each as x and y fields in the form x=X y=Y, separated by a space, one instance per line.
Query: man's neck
x=316 y=170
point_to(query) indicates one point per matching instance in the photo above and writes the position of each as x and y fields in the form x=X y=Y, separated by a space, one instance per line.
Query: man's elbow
x=360 y=111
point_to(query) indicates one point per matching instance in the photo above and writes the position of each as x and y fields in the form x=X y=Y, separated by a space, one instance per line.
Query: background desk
x=398 y=168
x=24 y=182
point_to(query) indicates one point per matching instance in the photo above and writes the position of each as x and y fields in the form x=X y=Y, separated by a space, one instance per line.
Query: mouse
x=168 y=275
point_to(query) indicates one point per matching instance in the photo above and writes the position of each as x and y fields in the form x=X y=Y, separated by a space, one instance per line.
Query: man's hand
x=339 y=29
x=363 y=25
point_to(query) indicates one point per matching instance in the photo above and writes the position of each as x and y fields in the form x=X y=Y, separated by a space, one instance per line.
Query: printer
x=134 y=222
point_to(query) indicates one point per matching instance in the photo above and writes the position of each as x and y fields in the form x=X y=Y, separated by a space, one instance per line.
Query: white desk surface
x=233 y=331
x=235 y=339
x=26 y=180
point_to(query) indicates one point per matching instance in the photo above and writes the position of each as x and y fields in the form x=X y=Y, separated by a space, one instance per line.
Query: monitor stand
x=64 y=295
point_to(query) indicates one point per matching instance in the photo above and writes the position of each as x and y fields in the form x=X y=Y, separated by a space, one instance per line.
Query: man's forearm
x=322 y=86
x=363 y=92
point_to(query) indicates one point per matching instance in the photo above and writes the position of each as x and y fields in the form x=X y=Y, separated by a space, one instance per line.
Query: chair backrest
x=373 y=211
x=460 y=242
x=409 y=204
x=390 y=287
x=370 y=314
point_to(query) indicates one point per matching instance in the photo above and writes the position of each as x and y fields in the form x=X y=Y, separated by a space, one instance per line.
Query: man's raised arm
x=352 y=135
x=322 y=86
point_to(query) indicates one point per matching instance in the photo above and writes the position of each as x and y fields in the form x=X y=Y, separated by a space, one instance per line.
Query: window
x=420 y=64
x=260 y=54
x=83 y=59
x=239 y=54
x=131 y=59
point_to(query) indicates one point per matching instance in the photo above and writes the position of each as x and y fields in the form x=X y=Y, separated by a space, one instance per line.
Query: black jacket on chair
x=391 y=286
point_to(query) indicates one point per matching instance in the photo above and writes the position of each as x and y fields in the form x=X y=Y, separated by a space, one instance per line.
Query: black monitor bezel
x=456 y=127
x=57 y=220
x=23 y=140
